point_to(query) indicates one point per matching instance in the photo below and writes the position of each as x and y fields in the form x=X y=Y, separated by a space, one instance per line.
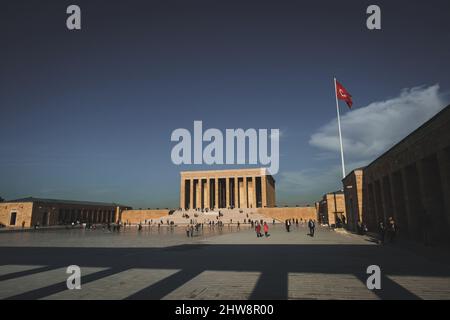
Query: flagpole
x=339 y=127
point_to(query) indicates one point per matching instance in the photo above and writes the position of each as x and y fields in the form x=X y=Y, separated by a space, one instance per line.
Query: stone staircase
x=227 y=216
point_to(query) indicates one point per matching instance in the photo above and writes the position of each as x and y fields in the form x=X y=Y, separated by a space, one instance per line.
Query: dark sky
x=88 y=114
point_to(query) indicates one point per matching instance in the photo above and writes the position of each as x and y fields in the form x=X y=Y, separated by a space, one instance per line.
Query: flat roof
x=260 y=171
x=61 y=201
x=335 y=192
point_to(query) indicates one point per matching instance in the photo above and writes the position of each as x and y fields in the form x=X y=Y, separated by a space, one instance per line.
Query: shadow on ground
x=274 y=262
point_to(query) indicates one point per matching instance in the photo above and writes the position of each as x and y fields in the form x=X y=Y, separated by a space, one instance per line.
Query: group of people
x=311 y=225
x=265 y=227
x=387 y=231
x=361 y=227
x=191 y=227
x=289 y=222
x=341 y=222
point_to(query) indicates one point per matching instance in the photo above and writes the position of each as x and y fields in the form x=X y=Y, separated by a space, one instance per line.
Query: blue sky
x=88 y=114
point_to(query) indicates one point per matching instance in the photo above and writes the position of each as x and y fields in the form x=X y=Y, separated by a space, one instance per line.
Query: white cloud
x=369 y=131
x=308 y=185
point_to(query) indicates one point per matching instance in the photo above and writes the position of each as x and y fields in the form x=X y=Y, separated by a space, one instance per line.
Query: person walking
x=381 y=231
x=258 y=230
x=392 y=227
x=359 y=227
x=187 y=231
x=311 y=226
x=266 y=229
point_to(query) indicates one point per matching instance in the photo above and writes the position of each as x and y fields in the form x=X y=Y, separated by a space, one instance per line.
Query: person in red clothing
x=266 y=229
x=258 y=230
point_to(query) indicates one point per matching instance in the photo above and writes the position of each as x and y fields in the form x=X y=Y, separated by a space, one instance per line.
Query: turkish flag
x=343 y=94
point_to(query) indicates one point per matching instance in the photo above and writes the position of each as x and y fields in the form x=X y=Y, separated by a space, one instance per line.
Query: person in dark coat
x=381 y=231
x=311 y=226
x=392 y=227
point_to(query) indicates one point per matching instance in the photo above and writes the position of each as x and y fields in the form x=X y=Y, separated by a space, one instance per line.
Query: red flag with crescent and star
x=343 y=94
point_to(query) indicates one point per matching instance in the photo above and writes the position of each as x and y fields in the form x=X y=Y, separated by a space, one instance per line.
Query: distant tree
x=1 y=199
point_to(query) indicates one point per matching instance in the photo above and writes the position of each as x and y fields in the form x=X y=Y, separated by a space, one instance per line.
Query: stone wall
x=353 y=184
x=335 y=207
x=331 y=207
x=136 y=216
x=24 y=213
x=411 y=183
x=58 y=212
x=282 y=214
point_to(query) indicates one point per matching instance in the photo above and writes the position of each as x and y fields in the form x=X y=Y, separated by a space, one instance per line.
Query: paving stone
x=115 y=287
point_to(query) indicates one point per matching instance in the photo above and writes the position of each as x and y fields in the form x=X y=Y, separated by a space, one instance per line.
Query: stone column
x=427 y=201
x=371 y=205
x=410 y=214
x=245 y=193
x=201 y=202
x=396 y=210
x=383 y=200
x=431 y=176
x=388 y=202
x=182 y=194
x=191 y=193
x=227 y=192
x=216 y=193
x=236 y=192
x=272 y=197
x=207 y=194
x=254 y=200
x=198 y=194
x=378 y=203
x=264 y=191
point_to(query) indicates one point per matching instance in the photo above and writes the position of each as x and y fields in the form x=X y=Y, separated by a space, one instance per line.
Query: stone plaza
x=217 y=263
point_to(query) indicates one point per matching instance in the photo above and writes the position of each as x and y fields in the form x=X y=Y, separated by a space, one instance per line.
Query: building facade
x=29 y=212
x=331 y=208
x=353 y=196
x=411 y=182
x=214 y=189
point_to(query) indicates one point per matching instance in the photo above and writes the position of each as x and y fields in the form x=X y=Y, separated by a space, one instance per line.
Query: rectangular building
x=214 y=189
x=332 y=208
x=353 y=195
x=410 y=182
x=31 y=211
